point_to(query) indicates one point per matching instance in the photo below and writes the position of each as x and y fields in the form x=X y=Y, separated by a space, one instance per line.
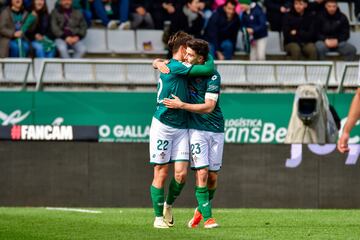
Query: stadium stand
x=103 y=42
x=120 y=41
x=274 y=45
x=152 y=38
x=96 y=41
x=355 y=40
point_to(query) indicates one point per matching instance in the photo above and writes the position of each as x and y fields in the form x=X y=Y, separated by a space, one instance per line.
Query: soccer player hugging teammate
x=169 y=138
x=206 y=131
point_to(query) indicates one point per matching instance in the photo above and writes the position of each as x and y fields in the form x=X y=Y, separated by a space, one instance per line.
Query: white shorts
x=206 y=149
x=168 y=144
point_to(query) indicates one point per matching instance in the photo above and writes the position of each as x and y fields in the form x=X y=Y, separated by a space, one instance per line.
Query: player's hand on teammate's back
x=175 y=103
x=162 y=67
x=342 y=145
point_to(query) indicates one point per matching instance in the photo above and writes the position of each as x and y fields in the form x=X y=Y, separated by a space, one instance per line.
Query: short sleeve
x=213 y=84
x=179 y=68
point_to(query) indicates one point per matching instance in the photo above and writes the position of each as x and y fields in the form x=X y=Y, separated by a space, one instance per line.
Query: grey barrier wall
x=82 y=174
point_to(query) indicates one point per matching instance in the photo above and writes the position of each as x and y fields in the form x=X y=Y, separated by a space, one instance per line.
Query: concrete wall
x=81 y=174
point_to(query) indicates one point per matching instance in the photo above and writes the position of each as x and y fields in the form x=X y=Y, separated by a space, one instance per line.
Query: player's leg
x=178 y=181
x=176 y=185
x=202 y=193
x=200 y=163
x=215 y=164
x=160 y=152
x=212 y=184
x=215 y=161
x=180 y=157
x=157 y=194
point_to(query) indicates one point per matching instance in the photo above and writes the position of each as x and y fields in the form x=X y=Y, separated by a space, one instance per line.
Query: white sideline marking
x=73 y=210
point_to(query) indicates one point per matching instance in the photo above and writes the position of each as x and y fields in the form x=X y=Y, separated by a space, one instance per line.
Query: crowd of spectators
x=309 y=30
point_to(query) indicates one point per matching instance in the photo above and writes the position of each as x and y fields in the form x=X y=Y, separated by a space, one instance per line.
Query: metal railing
x=139 y=72
x=111 y=72
x=349 y=76
x=15 y=71
x=274 y=73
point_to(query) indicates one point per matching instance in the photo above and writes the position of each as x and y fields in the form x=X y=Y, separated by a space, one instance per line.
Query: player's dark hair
x=177 y=40
x=200 y=46
x=189 y=1
x=232 y=2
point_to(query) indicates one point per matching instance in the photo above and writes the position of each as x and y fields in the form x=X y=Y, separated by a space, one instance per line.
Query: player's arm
x=202 y=108
x=206 y=69
x=353 y=116
x=201 y=70
x=160 y=64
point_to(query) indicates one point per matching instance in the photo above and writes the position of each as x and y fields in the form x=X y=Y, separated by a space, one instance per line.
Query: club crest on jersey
x=162 y=155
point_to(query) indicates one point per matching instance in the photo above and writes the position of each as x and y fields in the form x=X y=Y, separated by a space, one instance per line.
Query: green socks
x=157 y=197
x=211 y=193
x=174 y=191
x=202 y=196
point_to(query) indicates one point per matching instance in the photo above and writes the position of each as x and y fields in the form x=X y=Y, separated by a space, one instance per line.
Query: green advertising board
x=126 y=117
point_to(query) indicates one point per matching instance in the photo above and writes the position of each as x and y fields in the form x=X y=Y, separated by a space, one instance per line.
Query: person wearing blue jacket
x=222 y=30
x=253 y=21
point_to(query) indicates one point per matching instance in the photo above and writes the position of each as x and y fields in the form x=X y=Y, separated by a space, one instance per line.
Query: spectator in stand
x=42 y=45
x=69 y=28
x=12 y=40
x=206 y=10
x=222 y=31
x=299 y=32
x=106 y=11
x=253 y=21
x=275 y=10
x=161 y=11
x=141 y=17
x=219 y=3
x=83 y=6
x=333 y=31
x=188 y=19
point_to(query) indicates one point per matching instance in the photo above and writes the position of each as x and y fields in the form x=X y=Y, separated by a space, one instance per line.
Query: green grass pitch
x=129 y=224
